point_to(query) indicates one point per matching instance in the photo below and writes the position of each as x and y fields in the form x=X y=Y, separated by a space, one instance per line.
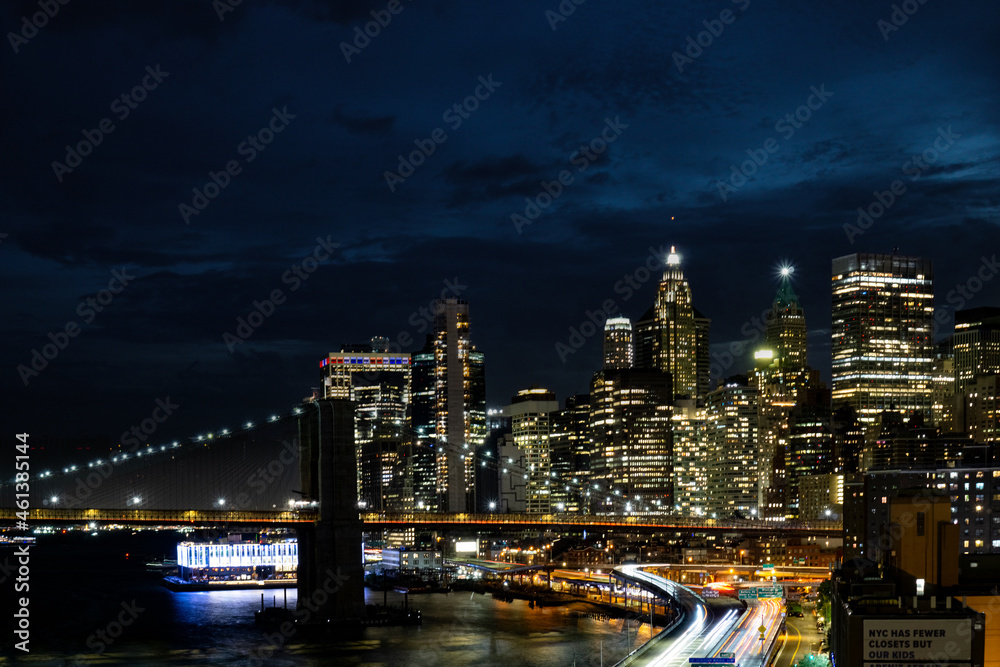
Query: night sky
x=745 y=133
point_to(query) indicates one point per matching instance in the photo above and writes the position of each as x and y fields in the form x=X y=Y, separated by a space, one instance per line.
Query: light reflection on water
x=216 y=628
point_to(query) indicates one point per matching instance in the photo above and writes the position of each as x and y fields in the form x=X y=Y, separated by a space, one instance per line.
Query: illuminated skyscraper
x=702 y=354
x=618 y=348
x=570 y=445
x=883 y=325
x=678 y=336
x=733 y=465
x=530 y=411
x=690 y=457
x=780 y=373
x=631 y=463
x=459 y=404
x=976 y=345
x=378 y=384
x=785 y=328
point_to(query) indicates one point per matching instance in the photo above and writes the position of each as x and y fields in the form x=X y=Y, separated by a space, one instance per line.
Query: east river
x=82 y=586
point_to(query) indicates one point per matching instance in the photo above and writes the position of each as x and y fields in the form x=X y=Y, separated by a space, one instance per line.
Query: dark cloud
x=323 y=176
x=362 y=124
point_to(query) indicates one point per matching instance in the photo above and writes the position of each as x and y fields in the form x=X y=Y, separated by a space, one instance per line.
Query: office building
x=570 y=445
x=702 y=354
x=530 y=412
x=733 y=456
x=982 y=410
x=459 y=404
x=631 y=462
x=883 y=324
x=690 y=457
x=619 y=351
x=975 y=345
x=378 y=384
x=678 y=336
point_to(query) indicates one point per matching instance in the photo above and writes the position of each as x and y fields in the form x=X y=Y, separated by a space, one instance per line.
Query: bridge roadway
x=646 y=524
x=431 y=520
x=159 y=517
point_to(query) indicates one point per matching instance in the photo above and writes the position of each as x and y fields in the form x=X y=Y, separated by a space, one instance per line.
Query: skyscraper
x=780 y=374
x=378 y=384
x=702 y=354
x=733 y=466
x=618 y=348
x=530 y=411
x=690 y=457
x=785 y=327
x=976 y=345
x=569 y=442
x=632 y=457
x=459 y=404
x=678 y=336
x=883 y=325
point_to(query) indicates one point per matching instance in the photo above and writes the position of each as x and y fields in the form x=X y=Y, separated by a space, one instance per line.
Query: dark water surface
x=81 y=585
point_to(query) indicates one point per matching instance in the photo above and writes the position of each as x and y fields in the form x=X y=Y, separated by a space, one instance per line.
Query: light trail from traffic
x=701 y=632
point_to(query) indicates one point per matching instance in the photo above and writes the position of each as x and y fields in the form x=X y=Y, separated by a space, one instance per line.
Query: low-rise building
x=411 y=559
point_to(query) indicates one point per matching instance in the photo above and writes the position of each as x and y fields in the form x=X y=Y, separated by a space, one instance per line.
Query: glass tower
x=883 y=325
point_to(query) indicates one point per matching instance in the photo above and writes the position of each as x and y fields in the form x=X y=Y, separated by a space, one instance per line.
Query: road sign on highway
x=768 y=566
x=771 y=592
x=727 y=654
x=748 y=594
x=712 y=661
x=762 y=629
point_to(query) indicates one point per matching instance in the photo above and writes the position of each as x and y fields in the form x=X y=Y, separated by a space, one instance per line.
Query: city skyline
x=209 y=217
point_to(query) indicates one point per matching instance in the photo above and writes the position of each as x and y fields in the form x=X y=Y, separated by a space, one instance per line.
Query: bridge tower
x=331 y=573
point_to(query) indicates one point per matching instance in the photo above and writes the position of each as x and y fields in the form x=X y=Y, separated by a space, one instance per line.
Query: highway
x=698 y=633
x=744 y=640
x=705 y=634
